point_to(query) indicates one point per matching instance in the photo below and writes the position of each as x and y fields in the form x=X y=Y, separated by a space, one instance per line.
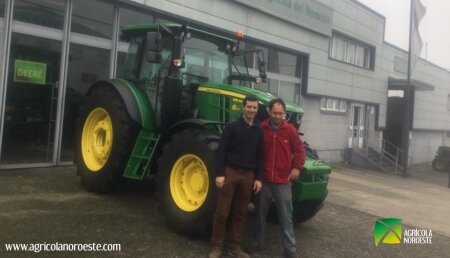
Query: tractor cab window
x=240 y=73
x=204 y=61
x=151 y=74
x=129 y=70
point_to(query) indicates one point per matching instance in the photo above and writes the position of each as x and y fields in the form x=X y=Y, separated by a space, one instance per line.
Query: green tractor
x=165 y=115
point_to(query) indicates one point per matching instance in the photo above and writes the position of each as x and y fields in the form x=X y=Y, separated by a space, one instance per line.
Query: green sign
x=388 y=231
x=30 y=72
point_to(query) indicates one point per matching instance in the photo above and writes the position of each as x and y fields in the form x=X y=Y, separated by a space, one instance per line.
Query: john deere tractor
x=164 y=117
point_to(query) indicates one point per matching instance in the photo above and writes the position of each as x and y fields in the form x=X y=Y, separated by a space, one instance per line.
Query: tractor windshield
x=208 y=58
x=205 y=60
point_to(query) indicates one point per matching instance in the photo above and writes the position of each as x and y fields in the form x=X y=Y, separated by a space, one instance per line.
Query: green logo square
x=388 y=231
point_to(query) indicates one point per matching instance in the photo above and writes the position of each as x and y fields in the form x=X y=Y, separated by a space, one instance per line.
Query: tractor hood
x=241 y=92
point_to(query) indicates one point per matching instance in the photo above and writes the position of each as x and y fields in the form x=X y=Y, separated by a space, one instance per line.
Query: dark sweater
x=241 y=147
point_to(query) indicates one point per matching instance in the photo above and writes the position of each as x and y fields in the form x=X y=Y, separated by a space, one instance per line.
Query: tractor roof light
x=239 y=34
x=177 y=62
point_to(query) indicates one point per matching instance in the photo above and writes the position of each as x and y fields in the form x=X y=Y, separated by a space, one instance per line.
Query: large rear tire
x=105 y=137
x=186 y=177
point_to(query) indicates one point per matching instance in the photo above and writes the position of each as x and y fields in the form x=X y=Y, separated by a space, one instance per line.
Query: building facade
x=328 y=56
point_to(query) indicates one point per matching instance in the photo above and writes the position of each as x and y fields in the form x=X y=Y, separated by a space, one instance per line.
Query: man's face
x=250 y=109
x=277 y=114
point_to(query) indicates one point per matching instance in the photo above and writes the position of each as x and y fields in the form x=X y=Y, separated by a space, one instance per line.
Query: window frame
x=344 y=49
x=333 y=105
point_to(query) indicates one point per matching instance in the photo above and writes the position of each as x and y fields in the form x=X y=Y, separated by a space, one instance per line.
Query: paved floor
x=422 y=199
x=48 y=205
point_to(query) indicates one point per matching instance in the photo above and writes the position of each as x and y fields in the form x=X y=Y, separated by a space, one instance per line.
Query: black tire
x=124 y=133
x=302 y=211
x=439 y=164
x=203 y=144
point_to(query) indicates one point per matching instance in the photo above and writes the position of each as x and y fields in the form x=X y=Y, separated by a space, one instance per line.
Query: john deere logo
x=388 y=231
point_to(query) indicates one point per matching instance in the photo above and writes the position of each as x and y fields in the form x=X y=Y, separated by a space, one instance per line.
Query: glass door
x=31 y=90
x=356 y=129
x=31 y=102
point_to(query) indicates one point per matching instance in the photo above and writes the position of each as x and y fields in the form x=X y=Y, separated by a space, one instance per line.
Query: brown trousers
x=234 y=196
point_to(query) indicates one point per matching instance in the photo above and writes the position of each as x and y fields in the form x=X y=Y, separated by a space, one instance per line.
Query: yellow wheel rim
x=189 y=182
x=97 y=139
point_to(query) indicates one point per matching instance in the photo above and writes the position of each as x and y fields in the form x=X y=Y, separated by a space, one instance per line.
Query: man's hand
x=295 y=174
x=257 y=186
x=220 y=181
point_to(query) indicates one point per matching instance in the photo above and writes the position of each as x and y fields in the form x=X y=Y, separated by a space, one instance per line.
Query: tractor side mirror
x=261 y=66
x=153 y=47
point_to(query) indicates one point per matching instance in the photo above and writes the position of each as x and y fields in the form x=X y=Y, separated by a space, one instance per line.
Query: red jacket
x=283 y=151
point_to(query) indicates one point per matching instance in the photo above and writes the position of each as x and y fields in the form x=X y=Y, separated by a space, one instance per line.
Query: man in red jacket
x=284 y=156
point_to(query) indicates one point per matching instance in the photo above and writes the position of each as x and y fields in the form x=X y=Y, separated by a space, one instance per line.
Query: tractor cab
x=188 y=58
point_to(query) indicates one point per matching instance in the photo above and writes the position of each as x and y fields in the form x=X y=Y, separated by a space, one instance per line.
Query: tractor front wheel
x=187 y=193
x=305 y=210
x=302 y=210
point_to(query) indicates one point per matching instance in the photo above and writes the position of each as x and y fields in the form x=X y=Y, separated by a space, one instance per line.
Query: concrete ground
x=422 y=199
x=48 y=205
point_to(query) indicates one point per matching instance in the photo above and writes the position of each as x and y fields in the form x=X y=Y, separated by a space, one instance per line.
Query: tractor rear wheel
x=186 y=181
x=105 y=138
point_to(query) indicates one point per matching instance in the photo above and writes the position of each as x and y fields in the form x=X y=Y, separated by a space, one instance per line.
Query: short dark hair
x=249 y=97
x=279 y=101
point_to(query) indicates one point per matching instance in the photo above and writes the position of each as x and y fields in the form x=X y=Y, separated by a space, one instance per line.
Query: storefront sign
x=30 y=72
x=306 y=13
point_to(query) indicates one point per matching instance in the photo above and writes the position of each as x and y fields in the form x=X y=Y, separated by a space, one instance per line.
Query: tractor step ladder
x=142 y=154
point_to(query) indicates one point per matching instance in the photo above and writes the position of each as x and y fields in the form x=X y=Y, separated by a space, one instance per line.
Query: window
x=2 y=8
x=334 y=105
x=351 y=51
x=284 y=71
x=448 y=102
x=44 y=13
x=92 y=18
x=30 y=113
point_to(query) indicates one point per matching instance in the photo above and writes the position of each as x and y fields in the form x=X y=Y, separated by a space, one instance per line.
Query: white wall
x=423 y=146
x=328 y=133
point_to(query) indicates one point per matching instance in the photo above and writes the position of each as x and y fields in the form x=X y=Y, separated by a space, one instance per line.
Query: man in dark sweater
x=240 y=165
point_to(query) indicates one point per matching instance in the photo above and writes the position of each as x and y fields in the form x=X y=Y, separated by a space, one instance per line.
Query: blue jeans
x=283 y=201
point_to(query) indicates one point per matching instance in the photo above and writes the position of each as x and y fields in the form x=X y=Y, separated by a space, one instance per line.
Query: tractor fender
x=135 y=100
x=190 y=123
x=200 y=124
